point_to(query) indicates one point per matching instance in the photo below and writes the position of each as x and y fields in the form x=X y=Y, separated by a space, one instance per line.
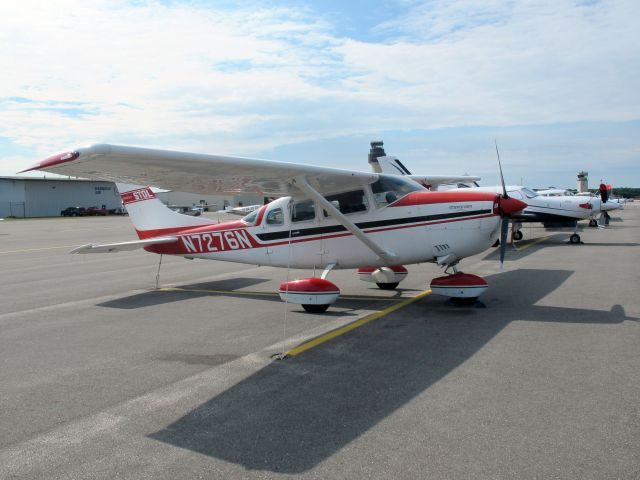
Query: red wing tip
x=53 y=160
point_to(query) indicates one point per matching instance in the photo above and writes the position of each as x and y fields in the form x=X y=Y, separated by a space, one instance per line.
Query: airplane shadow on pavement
x=234 y=286
x=293 y=414
x=159 y=297
x=532 y=245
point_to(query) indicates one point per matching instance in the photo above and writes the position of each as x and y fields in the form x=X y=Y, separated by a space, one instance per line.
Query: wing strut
x=302 y=184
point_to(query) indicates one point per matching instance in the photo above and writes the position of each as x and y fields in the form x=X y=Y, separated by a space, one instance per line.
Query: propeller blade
x=504 y=230
x=504 y=188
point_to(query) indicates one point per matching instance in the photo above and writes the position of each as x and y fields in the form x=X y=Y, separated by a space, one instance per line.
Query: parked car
x=118 y=211
x=73 y=212
x=96 y=211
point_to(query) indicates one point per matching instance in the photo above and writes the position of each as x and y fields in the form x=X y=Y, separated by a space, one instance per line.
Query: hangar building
x=48 y=196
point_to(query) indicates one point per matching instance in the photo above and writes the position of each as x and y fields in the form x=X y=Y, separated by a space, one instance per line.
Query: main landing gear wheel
x=575 y=238
x=593 y=223
x=517 y=235
x=388 y=286
x=315 y=308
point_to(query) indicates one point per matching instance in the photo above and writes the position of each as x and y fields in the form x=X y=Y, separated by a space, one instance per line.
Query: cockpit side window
x=303 y=211
x=387 y=189
x=275 y=217
x=349 y=202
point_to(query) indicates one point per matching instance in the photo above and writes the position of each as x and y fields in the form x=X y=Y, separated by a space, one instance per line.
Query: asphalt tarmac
x=104 y=376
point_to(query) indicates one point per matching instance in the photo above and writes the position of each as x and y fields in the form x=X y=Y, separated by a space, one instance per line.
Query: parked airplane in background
x=193 y=210
x=554 y=192
x=327 y=218
x=600 y=203
x=242 y=210
x=552 y=210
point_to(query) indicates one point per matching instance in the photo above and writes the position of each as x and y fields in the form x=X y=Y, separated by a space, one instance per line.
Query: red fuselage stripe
x=429 y=198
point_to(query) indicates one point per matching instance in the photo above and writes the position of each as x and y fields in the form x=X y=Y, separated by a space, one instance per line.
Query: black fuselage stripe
x=306 y=232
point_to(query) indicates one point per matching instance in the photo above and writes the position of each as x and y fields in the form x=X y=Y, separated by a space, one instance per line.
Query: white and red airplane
x=598 y=203
x=327 y=218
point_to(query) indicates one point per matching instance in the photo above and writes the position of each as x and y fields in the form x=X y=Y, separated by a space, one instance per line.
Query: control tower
x=377 y=150
x=583 y=182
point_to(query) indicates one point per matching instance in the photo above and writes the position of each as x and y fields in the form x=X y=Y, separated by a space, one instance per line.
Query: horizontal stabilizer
x=434 y=181
x=391 y=165
x=122 y=246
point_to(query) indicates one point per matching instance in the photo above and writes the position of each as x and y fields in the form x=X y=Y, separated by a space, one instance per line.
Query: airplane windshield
x=251 y=218
x=390 y=188
x=529 y=193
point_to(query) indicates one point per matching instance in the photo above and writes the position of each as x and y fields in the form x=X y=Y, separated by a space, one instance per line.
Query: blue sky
x=555 y=82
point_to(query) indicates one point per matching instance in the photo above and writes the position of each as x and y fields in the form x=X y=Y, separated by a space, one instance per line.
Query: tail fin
x=150 y=216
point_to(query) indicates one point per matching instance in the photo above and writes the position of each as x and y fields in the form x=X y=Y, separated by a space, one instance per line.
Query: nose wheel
x=517 y=235
x=575 y=239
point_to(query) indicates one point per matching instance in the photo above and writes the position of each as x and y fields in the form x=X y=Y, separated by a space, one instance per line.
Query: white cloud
x=193 y=77
x=515 y=64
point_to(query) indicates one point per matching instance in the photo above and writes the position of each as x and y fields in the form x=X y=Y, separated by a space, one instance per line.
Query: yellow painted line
x=36 y=249
x=264 y=294
x=352 y=326
x=533 y=242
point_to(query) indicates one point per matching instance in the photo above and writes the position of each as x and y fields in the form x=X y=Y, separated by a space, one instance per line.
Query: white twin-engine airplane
x=329 y=218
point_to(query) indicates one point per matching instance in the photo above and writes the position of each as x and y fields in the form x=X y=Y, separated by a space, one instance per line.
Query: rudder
x=150 y=217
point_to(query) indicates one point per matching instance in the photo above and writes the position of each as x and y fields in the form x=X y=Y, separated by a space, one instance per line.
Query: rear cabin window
x=348 y=202
x=303 y=211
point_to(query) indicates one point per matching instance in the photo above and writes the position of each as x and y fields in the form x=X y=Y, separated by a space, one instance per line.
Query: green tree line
x=626 y=192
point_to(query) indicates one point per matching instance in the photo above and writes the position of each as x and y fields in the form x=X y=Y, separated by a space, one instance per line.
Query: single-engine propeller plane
x=326 y=218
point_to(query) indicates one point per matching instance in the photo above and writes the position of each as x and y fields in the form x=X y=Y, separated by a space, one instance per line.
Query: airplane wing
x=198 y=173
x=392 y=165
x=122 y=246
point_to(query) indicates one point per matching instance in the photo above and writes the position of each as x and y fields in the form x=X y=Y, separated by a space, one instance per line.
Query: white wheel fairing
x=394 y=274
x=471 y=291
x=309 y=298
x=309 y=291
x=459 y=285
